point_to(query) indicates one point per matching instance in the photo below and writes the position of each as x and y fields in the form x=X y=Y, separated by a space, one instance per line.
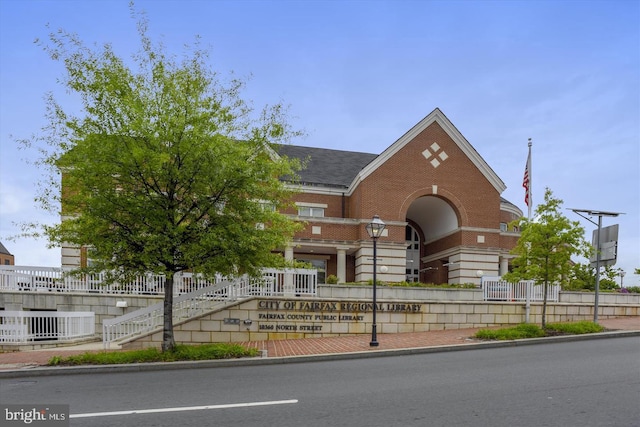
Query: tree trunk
x=544 y=305
x=544 y=293
x=168 y=342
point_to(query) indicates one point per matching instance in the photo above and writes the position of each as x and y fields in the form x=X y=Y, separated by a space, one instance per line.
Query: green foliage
x=331 y=279
x=166 y=168
x=433 y=285
x=405 y=284
x=179 y=353
x=526 y=330
x=583 y=278
x=545 y=247
x=521 y=331
x=575 y=328
x=633 y=289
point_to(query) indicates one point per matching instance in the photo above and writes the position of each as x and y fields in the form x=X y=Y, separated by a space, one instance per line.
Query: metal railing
x=50 y=279
x=496 y=289
x=27 y=326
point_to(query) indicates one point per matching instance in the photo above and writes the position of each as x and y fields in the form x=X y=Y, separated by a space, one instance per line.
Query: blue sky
x=358 y=74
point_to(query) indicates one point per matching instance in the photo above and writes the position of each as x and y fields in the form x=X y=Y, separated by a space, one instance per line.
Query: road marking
x=183 y=408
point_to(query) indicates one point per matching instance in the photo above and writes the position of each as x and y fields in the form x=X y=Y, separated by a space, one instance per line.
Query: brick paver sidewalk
x=310 y=346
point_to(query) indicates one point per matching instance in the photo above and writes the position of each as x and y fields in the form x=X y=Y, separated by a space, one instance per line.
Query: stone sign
x=308 y=316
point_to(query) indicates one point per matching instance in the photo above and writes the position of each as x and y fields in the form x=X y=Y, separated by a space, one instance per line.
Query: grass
x=527 y=330
x=181 y=353
x=234 y=351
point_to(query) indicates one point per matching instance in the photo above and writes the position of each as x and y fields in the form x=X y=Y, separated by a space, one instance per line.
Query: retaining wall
x=104 y=306
x=280 y=318
x=439 y=309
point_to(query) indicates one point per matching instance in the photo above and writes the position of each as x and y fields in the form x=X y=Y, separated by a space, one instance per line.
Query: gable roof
x=436 y=116
x=325 y=167
x=344 y=170
x=4 y=250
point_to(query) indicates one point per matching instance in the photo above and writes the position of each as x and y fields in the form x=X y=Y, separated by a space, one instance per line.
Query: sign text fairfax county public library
x=308 y=316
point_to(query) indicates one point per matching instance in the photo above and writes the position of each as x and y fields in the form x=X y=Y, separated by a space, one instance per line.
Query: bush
x=416 y=285
x=524 y=330
x=633 y=289
x=527 y=330
x=575 y=328
x=150 y=355
x=332 y=279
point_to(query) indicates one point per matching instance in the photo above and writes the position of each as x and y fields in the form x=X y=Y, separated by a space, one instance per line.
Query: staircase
x=185 y=306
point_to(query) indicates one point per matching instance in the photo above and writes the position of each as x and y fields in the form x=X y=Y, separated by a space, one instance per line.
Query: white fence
x=496 y=289
x=48 y=279
x=26 y=326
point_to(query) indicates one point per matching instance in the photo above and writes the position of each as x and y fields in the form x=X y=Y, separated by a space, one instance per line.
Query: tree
x=545 y=247
x=583 y=277
x=166 y=169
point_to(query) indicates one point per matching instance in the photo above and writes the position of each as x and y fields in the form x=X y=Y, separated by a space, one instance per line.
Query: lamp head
x=375 y=227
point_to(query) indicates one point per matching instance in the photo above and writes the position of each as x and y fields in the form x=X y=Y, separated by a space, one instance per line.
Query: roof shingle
x=325 y=167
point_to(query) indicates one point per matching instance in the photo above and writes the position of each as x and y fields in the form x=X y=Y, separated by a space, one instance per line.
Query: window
x=267 y=206
x=91 y=258
x=503 y=226
x=318 y=264
x=412 y=238
x=311 y=211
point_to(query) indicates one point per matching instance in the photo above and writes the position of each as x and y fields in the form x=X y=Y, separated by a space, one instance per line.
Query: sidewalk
x=24 y=360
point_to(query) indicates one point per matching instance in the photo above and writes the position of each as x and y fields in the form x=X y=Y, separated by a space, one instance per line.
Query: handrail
x=151 y=317
x=185 y=306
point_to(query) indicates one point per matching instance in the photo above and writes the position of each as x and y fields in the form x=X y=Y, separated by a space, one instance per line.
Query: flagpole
x=530 y=204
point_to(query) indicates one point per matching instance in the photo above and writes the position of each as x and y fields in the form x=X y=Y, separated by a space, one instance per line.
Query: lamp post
x=374 y=228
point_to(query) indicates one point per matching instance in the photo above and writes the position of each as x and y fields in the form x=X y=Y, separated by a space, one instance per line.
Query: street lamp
x=374 y=228
x=598 y=248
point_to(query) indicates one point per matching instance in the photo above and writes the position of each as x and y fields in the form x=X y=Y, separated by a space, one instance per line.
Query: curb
x=159 y=366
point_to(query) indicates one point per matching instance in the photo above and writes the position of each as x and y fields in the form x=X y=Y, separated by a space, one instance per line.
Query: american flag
x=525 y=180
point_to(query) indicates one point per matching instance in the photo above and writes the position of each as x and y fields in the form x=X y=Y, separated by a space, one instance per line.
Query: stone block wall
x=280 y=318
x=104 y=306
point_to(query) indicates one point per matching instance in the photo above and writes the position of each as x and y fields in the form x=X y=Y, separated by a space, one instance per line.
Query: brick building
x=6 y=258
x=445 y=218
x=440 y=201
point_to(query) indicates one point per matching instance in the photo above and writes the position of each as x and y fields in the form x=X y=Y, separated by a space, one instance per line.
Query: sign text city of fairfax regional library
x=276 y=315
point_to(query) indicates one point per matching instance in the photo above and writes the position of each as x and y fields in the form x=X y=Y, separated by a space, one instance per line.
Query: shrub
x=575 y=328
x=405 y=284
x=150 y=355
x=524 y=330
x=331 y=279
x=527 y=330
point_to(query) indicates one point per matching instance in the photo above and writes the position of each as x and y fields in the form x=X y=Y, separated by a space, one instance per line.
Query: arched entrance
x=433 y=218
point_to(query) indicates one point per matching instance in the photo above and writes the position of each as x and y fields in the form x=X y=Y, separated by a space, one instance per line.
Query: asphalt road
x=584 y=383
